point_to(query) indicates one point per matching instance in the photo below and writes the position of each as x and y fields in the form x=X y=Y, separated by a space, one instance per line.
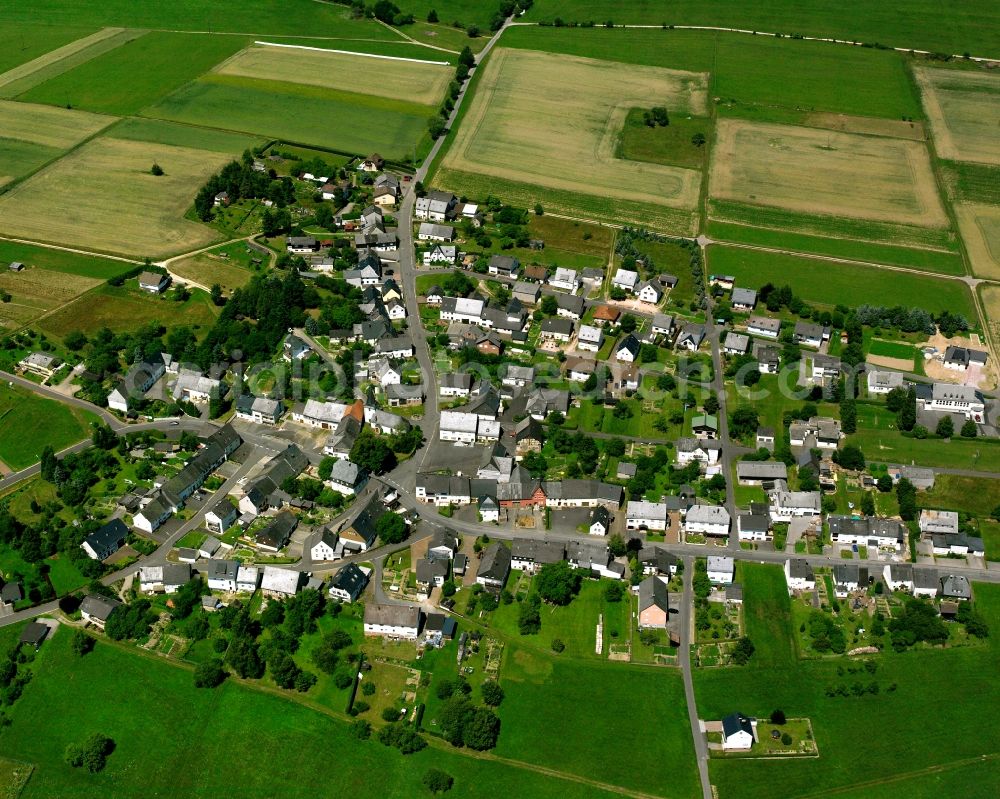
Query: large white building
x=707 y=520
x=393 y=621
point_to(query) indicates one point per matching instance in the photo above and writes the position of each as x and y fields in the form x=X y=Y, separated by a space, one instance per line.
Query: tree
x=698 y=140
x=743 y=651
x=614 y=592
x=75 y=340
x=210 y=674
x=156 y=169
x=216 y=295
x=786 y=739
x=373 y=453
x=361 y=730
x=906 y=419
x=432 y=16
x=529 y=620
x=549 y=305
x=244 y=657
x=711 y=404
x=969 y=429
x=436 y=127
x=906 y=495
x=82 y=643
x=945 y=427
x=558 y=582
x=850 y=457
x=304 y=681
x=778 y=717
x=466 y=57
x=868 y=503
x=884 y=483
x=92 y=753
x=391 y=528
x=492 y=693
x=849 y=416
x=558 y=645
x=743 y=421
x=481 y=730
x=437 y=781
x=616 y=545
x=326 y=655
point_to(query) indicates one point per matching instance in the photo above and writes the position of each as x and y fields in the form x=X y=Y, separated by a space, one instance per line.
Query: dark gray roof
x=495 y=564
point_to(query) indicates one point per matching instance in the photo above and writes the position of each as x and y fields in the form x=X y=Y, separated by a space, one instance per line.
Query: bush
x=390 y=714
x=93 y=753
x=361 y=730
x=437 y=781
x=82 y=643
x=786 y=739
x=492 y=693
x=778 y=717
x=558 y=645
x=210 y=674
x=343 y=678
x=368 y=688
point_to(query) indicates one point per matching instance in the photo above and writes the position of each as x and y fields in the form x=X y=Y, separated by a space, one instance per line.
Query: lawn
x=891 y=349
x=974 y=495
x=829 y=283
x=549 y=717
x=799 y=689
x=210 y=268
x=135 y=74
x=186 y=746
x=51 y=424
x=767 y=614
x=64 y=575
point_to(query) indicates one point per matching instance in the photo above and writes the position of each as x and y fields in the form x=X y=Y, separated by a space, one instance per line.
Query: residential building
x=494 y=566
x=627 y=350
x=642 y=515
x=965 y=400
x=867 y=531
x=96 y=609
x=565 y=279
x=707 y=520
x=691 y=337
x=810 y=335
x=106 y=541
x=764 y=327
x=165 y=579
x=599 y=522
x=744 y=299
x=961 y=358
x=654 y=604
x=736 y=344
x=392 y=621
x=799 y=575
x=662 y=325
x=261 y=410
x=737 y=733
x=278 y=532
x=428 y=231
x=437 y=206
x=154 y=282
x=721 y=569
x=504 y=266
x=40 y=363
x=938 y=522
x=221 y=575
x=626 y=280
x=278 y=583
x=754 y=527
x=649 y=292
x=247 y=579
x=349 y=583
x=556 y=330
x=787 y=505
x=882 y=382
x=754 y=473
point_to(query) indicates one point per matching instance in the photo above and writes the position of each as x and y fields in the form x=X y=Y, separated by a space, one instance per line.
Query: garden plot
x=825 y=172
x=964 y=113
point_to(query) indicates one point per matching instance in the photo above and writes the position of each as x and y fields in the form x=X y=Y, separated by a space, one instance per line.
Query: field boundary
x=352 y=52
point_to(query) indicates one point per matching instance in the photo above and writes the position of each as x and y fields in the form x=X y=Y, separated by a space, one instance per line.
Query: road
x=684 y=658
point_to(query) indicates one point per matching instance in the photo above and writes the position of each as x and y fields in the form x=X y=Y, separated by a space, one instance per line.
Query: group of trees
x=92 y=754
x=461 y=722
x=557 y=583
x=918 y=621
x=826 y=634
x=238 y=179
x=655 y=116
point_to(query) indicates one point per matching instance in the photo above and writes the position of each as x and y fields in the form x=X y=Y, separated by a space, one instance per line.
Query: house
x=599 y=522
x=961 y=358
x=34 y=634
x=435 y=295
x=657 y=560
x=848 y=577
x=736 y=344
x=301 y=245
x=527 y=293
x=654 y=604
x=349 y=583
x=642 y=515
x=764 y=327
x=867 y=531
x=431 y=573
x=494 y=566
x=753 y=473
x=261 y=410
x=707 y=520
x=165 y=579
x=705 y=425
x=428 y=231
x=606 y=315
x=768 y=358
x=373 y=163
x=753 y=526
x=95 y=609
x=627 y=349
x=516 y=376
x=821 y=432
x=154 y=282
x=347 y=478
x=810 y=335
x=722 y=281
x=956 y=586
x=649 y=292
x=489 y=511
x=925 y=582
x=737 y=733
x=824 y=367
x=40 y=363
x=690 y=450
x=565 y=279
x=439 y=628
x=138 y=380
x=455 y=384
x=663 y=325
x=360 y=535
x=222 y=575
x=247 y=579
x=569 y=306
x=734 y=594
x=442 y=546
x=193 y=386
x=881 y=382
x=691 y=337
x=799 y=575
x=462 y=309
x=323 y=545
x=106 y=541
x=439 y=254
x=788 y=505
x=294 y=348
x=556 y=330
x=458 y=427
x=744 y=299
x=938 y=522
x=278 y=583
x=504 y=266
x=965 y=400
x=625 y=279
x=765 y=438
x=276 y=535
x=436 y=206
x=721 y=569
x=392 y=621
x=898 y=577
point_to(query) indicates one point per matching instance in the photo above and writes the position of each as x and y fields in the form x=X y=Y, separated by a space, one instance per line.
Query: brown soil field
x=825 y=172
x=554 y=121
x=980 y=229
x=895 y=128
x=964 y=113
x=102 y=197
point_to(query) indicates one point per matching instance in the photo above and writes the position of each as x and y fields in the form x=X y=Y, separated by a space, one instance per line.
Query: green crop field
x=135 y=74
x=187 y=745
x=158 y=131
x=952 y=26
x=21 y=44
x=905 y=696
x=549 y=693
x=50 y=422
x=830 y=283
x=61 y=261
x=767 y=614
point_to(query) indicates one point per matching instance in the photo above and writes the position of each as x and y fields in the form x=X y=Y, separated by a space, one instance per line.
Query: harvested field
x=896 y=128
x=208 y=269
x=47 y=126
x=35 y=291
x=825 y=172
x=416 y=82
x=553 y=122
x=990 y=296
x=964 y=113
x=980 y=228
x=126 y=211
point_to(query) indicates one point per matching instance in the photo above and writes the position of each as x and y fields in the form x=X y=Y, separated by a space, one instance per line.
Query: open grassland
x=50 y=424
x=823 y=282
x=35 y=291
x=121 y=309
x=952 y=762
x=117 y=205
x=768 y=614
x=55 y=63
x=346 y=121
x=381 y=77
x=753 y=76
x=964 y=112
x=952 y=26
x=188 y=749
x=825 y=172
x=547 y=720
x=555 y=122
x=949 y=263
x=70 y=263
x=570 y=236
x=137 y=73
x=18 y=158
x=159 y=131
x=980 y=228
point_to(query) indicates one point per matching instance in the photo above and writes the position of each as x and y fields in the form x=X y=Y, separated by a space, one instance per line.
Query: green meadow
x=51 y=424
x=61 y=261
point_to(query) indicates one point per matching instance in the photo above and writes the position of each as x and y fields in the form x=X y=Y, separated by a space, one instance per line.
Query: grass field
x=980 y=228
x=51 y=424
x=422 y=83
x=949 y=263
x=122 y=309
x=830 y=283
x=516 y=131
x=825 y=172
x=671 y=146
x=188 y=749
x=126 y=211
x=23 y=44
x=948 y=763
x=891 y=349
x=767 y=614
x=964 y=112
x=208 y=269
x=972 y=183
x=61 y=261
x=158 y=131
x=954 y=492
x=547 y=693
x=135 y=74
x=36 y=290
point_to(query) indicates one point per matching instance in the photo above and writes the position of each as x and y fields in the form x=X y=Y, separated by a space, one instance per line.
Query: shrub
x=437 y=781
x=786 y=739
x=558 y=645
x=210 y=674
x=778 y=717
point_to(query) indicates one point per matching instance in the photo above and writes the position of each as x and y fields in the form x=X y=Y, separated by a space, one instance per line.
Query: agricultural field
x=51 y=424
x=158 y=131
x=989 y=294
x=347 y=102
x=127 y=211
x=964 y=112
x=33 y=135
x=70 y=263
x=828 y=283
x=516 y=132
x=36 y=291
x=980 y=228
x=671 y=145
x=825 y=172
x=227 y=265
x=135 y=74
x=208 y=726
x=545 y=693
